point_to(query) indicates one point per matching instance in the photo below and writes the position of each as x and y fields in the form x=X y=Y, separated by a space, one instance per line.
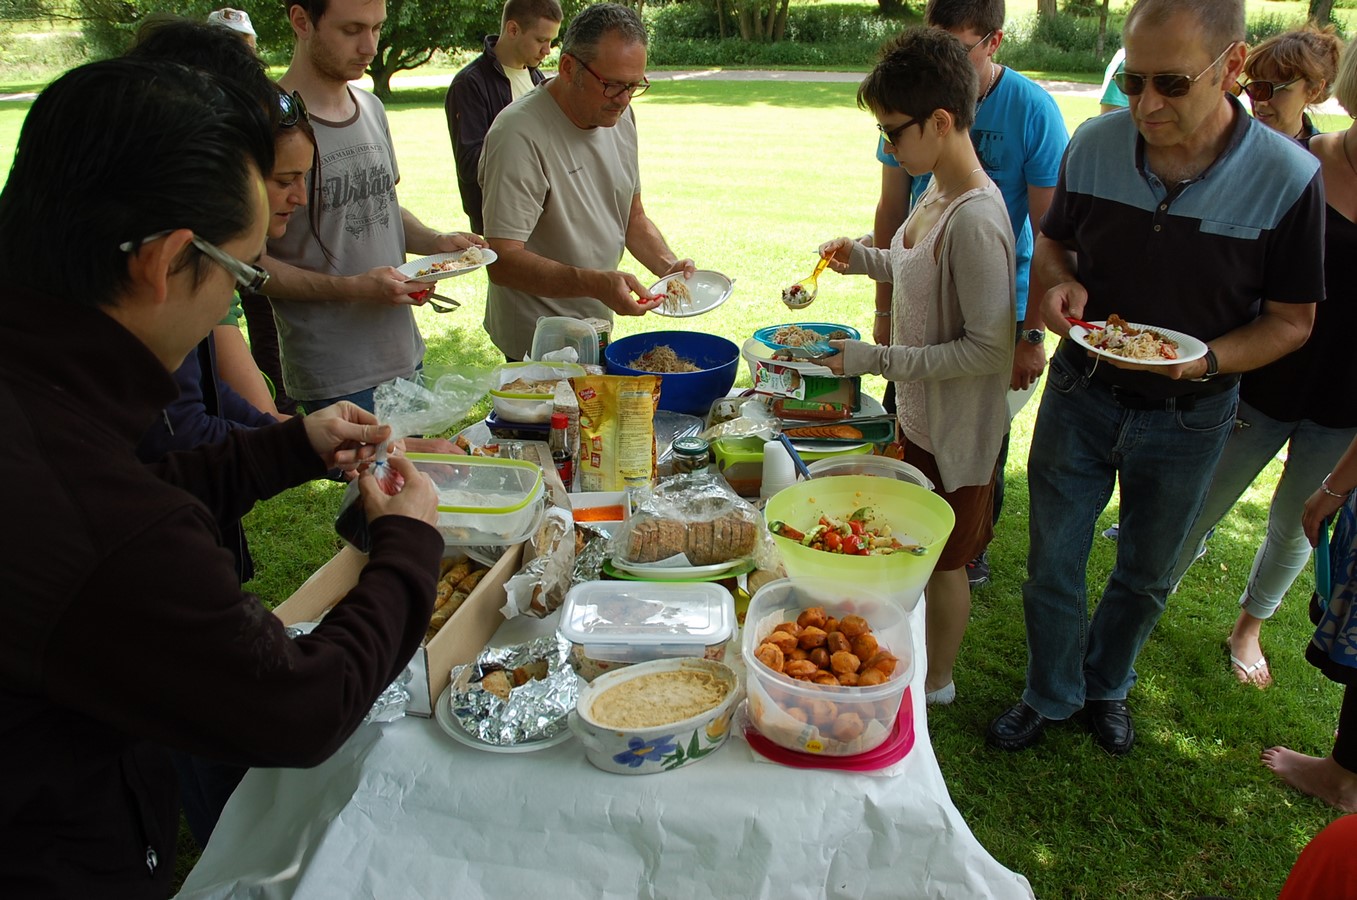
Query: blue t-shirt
x=1020 y=137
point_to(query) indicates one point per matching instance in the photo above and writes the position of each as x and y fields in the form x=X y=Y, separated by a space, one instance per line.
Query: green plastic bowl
x=915 y=514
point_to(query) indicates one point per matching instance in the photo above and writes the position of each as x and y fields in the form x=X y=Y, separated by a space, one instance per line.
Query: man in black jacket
x=123 y=630
x=504 y=72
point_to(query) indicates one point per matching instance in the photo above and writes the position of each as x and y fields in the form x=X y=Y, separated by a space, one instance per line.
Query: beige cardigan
x=966 y=363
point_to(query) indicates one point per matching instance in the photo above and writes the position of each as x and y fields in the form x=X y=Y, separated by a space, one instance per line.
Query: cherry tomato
x=853 y=544
x=856 y=526
x=833 y=541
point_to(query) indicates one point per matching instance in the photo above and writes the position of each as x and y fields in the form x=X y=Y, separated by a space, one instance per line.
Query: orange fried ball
x=865 y=646
x=812 y=618
x=798 y=714
x=848 y=726
x=884 y=663
x=800 y=668
x=853 y=626
x=820 y=656
x=770 y=655
x=812 y=637
x=870 y=677
x=831 y=624
x=848 y=679
x=782 y=640
x=798 y=653
x=823 y=712
x=825 y=678
x=790 y=627
x=838 y=642
x=843 y=662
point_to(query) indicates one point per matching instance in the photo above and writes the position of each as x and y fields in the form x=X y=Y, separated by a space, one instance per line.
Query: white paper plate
x=824 y=446
x=709 y=290
x=414 y=265
x=1189 y=348
x=442 y=713
x=675 y=573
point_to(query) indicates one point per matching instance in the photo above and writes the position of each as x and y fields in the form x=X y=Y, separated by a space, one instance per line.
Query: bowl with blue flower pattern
x=656 y=716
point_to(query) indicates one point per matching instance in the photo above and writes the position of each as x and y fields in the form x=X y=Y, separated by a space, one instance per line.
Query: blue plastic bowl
x=684 y=392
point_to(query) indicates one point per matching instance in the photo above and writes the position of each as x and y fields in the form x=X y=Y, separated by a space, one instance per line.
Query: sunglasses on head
x=1166 y=85
x=291 y=109
x=1261 y=91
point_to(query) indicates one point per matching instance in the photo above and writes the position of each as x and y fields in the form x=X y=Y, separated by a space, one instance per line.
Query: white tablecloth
x=403 y=811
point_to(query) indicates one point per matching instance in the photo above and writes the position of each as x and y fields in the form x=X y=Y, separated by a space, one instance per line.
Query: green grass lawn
x=748 y=179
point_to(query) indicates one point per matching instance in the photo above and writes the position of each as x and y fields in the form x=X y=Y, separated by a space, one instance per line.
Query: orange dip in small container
x=599 y=514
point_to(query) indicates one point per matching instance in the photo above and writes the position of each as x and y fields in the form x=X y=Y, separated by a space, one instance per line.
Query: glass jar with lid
x=691 y=454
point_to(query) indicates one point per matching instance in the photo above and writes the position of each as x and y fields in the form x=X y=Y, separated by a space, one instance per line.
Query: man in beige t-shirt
x=563 y=189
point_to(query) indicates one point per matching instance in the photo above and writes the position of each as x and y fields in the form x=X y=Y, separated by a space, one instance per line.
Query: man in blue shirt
x=1160 y=216
x=1019 y=136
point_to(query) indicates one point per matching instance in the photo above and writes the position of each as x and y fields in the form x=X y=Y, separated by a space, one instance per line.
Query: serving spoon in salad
x=802 y=294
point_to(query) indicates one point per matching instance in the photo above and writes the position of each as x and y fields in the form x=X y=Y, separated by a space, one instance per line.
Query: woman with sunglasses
x=1288 y=73
x=951 y=266
x=1288 y=403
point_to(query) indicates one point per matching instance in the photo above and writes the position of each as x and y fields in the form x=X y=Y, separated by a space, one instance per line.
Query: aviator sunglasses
x=1166 y=85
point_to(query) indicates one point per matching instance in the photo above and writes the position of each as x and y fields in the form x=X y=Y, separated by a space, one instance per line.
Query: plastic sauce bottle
x=560 y=449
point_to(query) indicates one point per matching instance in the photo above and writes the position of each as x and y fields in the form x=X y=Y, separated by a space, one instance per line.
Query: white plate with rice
x=445 y=265
x=1188 y=348
x=700 y=294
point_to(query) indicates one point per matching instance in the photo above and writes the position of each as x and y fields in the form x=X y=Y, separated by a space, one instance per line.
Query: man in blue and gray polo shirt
x=1184 y=213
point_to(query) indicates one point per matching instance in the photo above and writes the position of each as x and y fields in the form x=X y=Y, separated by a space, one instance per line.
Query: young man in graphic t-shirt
x=344 y=319
x=504 y=72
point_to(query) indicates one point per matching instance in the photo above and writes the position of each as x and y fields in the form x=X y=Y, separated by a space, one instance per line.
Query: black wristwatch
x=1032 y=335
x=1212 y=366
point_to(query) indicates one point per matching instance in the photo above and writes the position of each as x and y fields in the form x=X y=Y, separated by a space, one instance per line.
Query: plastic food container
x=740 y=460
x=916 y=516
x=880 y=466
x=824 y=329
x=617 y=623
x=531 y=408
x=484 y=501
x=658 y=748
x=803 y=716
x=559 y=332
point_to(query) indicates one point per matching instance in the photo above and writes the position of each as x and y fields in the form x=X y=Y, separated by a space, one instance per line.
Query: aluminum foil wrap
x=535 y=710
x=589 y=560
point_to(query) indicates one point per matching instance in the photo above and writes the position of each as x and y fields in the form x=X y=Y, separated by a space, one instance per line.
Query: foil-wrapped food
x=516 y=694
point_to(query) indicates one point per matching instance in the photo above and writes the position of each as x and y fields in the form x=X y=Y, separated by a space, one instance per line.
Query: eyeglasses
x=249 y=276
x=615 y=89
x=1167 y=85
x=291 y=109
x=1261 y=91
x=892 y=135
x=979 y=42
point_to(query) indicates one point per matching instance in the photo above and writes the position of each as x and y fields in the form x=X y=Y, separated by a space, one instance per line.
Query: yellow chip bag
x=617 y=430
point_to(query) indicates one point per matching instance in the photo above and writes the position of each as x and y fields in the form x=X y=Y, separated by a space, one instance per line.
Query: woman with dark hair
x=952 y=312
x=1287 y=74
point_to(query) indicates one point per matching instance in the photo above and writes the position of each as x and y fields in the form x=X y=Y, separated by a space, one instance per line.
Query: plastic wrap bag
x=691 y=520
x=426 y=405
x=755 y=419
x=539 y=587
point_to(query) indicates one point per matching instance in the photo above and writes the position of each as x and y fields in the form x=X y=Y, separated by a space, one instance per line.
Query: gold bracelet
x=883 y=315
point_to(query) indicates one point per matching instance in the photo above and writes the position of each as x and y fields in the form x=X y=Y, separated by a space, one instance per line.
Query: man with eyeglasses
x=563 y=188
x=345 y=323
x=1019 y=135
x=124 y=634
x=1182 y=213
x=507 y=70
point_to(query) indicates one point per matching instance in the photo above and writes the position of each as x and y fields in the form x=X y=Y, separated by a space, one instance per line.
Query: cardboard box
x=789 y=381
x=457 y=642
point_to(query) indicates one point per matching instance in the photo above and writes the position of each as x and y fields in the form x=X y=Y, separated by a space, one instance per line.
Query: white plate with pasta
x=445 y=265
x=1146 y=345
x=694 y=296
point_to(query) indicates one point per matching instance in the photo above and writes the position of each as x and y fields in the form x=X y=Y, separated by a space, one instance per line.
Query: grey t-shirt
x=332 y=348
x=565 y=192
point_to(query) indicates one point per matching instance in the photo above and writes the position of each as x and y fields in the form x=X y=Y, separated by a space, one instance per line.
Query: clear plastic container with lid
x=617 y=623
x=559 y=332
x=484 y=501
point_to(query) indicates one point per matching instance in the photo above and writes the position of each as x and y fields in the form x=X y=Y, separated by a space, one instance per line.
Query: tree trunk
x=1321 y=11
x=780 y=30
x=720 y=20
x=1046 y=8
x=770 y=21
x=1102 y=28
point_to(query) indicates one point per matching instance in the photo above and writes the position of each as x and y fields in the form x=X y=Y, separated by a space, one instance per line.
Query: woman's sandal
x=1250 y=671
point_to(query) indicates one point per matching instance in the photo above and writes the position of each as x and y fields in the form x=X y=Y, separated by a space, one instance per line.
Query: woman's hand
x=1318 y=508
x=344 y=435
x=838 y=252
x=833 y=363
x=416 y=499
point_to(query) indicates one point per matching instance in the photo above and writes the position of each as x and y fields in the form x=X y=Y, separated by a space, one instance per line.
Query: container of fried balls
x=827 y=666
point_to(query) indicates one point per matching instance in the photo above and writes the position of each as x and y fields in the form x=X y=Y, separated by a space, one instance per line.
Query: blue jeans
x=1312 y=452
x=1084 y=441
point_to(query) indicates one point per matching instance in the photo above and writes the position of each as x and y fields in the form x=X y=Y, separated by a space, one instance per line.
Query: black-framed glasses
x=291 y=109
x=892 y=135
x=1166 y=85
x=249 y=276
x=1262 y=91
x=614 y=89
x=979 y=42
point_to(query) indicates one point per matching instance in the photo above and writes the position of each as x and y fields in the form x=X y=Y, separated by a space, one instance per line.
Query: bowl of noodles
x=695 y=368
